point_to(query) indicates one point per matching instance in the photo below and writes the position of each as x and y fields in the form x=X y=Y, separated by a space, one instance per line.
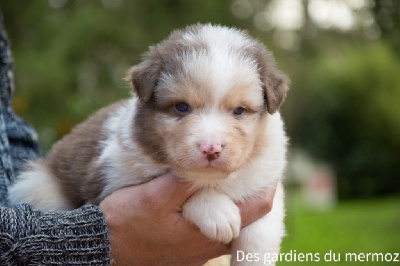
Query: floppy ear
x=275 y=84
x=276 y=87
x=143 y=77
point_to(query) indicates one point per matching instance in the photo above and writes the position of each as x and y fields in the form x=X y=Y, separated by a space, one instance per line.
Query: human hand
x=258 y=206
x=146 y=226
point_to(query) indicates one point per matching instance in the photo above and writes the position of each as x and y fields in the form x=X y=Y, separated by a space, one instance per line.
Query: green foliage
x=353 y=118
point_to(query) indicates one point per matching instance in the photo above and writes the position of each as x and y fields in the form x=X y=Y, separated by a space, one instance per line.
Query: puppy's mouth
x=212 y=163
x=211 y=157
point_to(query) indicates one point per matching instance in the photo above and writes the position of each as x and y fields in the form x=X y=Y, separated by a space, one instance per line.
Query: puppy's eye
x=239 y=111
x=182 y=107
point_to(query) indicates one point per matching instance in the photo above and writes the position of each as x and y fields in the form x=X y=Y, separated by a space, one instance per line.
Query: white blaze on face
x=223 y=64
x=219 y=70
x=210 y=129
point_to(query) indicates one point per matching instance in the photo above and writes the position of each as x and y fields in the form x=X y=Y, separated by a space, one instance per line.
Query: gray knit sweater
x=28 y=236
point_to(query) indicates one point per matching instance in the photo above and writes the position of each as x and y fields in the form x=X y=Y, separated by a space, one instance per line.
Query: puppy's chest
x=245 y=182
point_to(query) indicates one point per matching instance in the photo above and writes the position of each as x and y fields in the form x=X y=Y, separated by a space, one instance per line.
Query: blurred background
x=342 y=112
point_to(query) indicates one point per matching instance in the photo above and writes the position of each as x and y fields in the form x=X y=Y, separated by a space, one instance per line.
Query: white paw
x=218 y=218
x=223 y=226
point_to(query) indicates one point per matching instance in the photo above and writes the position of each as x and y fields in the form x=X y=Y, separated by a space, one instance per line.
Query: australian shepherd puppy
x=206 y=110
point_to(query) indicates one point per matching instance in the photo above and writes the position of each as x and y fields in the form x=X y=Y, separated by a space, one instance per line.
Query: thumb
x=171 y=189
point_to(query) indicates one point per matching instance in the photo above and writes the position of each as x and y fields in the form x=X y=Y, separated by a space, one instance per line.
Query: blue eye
x=182 y=107
x=239 y=111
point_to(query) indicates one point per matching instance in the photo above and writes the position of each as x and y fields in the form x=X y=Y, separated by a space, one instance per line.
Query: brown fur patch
x=72 y=158
x=244 y=96
x=260 y=142
x=146 y=133
x=165 y=57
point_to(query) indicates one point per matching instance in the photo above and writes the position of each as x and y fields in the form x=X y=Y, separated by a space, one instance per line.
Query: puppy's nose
x=211 y=151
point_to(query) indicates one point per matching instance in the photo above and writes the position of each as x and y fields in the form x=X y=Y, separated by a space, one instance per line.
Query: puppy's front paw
x=217 y=216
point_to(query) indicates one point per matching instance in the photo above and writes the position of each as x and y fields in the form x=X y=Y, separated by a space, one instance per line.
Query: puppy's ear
x=143 y=77
x=276 y=87
x=275 y=84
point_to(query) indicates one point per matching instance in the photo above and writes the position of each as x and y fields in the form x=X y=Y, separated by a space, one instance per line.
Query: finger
x=257 y=207
x=171 y=189
x=182 y=190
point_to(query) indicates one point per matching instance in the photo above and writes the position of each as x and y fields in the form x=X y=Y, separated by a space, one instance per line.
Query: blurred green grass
x=359 y=226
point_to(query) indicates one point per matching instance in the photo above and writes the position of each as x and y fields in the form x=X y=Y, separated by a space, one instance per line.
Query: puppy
x=206 y=110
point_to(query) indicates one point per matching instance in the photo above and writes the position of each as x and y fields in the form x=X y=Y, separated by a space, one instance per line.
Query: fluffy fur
x=206 y=110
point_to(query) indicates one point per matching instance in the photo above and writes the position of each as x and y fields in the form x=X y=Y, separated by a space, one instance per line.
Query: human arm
x=27 y=236
x=30 y=237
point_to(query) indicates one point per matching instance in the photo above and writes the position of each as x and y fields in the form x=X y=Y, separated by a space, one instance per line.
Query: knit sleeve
x=30 y=237
x=27 y=236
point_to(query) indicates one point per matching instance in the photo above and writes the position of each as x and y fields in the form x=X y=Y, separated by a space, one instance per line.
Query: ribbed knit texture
x=28 y=236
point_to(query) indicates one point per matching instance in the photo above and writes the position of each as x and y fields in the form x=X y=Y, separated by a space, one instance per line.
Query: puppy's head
x=205 y=95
